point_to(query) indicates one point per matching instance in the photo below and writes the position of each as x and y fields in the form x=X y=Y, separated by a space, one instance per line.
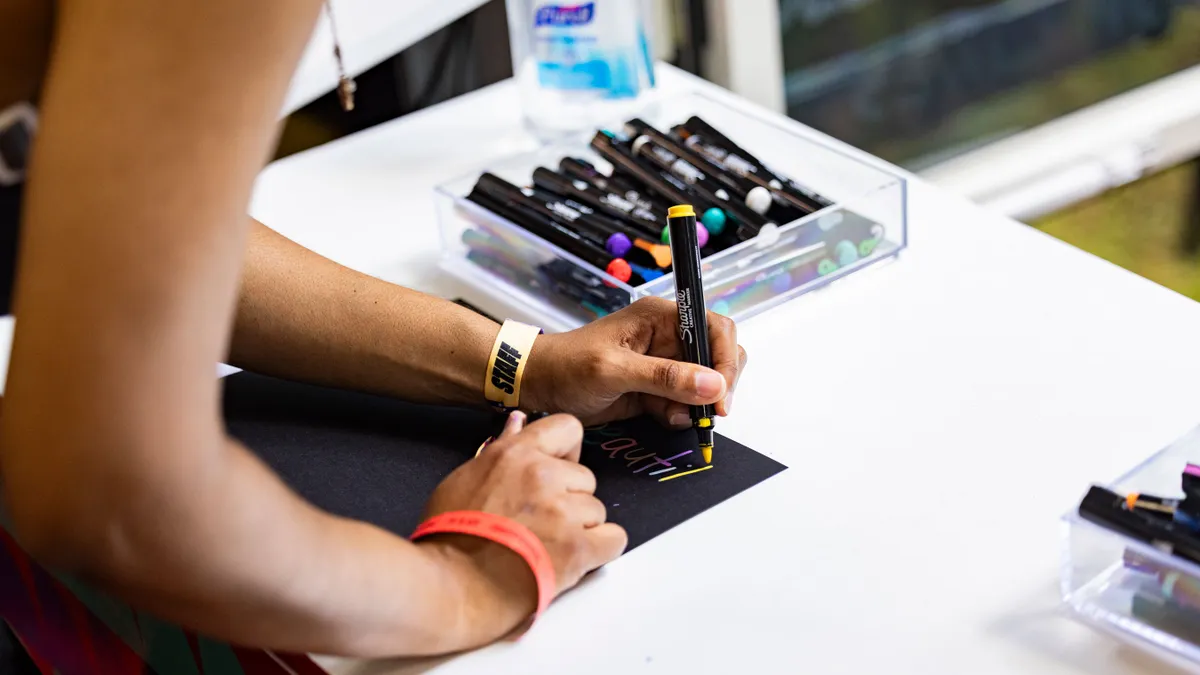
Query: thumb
x=673 y=380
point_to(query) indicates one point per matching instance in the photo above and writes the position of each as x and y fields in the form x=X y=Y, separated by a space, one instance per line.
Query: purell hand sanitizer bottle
x=580 y=66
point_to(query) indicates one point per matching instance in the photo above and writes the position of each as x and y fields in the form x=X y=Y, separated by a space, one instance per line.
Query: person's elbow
x=93 y=520
x=47 y=532
x=61 y=530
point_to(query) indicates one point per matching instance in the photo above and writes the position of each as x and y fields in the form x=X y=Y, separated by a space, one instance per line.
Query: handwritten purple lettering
x=615 y=447
x=612 y=442
x=630 y=461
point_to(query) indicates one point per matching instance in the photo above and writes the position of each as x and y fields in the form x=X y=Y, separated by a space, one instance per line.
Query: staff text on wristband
x=506 y=364
x=506 y=532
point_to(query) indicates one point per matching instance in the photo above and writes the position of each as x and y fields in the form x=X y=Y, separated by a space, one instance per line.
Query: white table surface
x=937 y=414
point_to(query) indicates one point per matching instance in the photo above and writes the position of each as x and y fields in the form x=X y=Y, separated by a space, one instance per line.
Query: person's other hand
x=534 y=477
x=626 y=364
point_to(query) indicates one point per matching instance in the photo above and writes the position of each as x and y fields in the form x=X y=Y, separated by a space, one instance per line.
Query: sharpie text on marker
x=683 y=299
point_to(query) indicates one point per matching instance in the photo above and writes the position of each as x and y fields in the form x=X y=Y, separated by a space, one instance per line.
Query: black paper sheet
x=377 y=459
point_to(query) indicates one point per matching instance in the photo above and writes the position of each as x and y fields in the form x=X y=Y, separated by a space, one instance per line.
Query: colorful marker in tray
x=614 y=221
x=1171 y=524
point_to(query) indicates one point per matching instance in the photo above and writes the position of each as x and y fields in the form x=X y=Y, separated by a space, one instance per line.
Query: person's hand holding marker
x=530 y=475
x=629 y=363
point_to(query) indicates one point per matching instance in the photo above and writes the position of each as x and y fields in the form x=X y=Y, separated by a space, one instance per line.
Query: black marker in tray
x=693 y=319
x=562 y=215
x=556 y=276
x=784 y=206
x=666 y=187
x=512 y=204
x=755 y=197
x=714 y=138
x=1111 y=510
x=748 y=222
x=616 y=184
x=644 y=222
x=618 y=240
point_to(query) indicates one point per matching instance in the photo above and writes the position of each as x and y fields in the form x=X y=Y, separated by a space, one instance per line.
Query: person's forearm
x=232 y=553
x=155 y=118
x=304 y=317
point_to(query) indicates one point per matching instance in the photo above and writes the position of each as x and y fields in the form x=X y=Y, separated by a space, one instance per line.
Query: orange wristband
x=506 y=532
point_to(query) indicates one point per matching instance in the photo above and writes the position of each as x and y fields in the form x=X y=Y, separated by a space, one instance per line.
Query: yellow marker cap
x=680 y=211
x=704 y=422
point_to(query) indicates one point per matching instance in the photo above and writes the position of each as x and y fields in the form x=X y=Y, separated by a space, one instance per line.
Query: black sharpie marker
x=645 y=147
x=735 y=164
x=693 y=321
x=665 y=186
x=585 y=170
x=557 y=276
x=749 y=221
x=499 y=196
x=617 y=239
x=756 y=197
x=698 y=126
x=548 y=206
x=616 y=184
x=606 y=213
x=643 y=221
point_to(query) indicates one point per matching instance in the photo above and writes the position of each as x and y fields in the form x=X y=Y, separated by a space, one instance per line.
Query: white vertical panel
x=745 y=52
x=662 y=28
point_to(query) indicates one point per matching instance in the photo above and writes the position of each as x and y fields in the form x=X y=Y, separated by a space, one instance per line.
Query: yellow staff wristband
x=506 y=365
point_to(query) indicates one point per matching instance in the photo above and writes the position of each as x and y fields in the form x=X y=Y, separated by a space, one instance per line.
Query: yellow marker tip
x=706 y=450
x=680 y=211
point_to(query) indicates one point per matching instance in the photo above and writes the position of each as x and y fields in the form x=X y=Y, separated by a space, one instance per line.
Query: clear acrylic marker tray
x=508 y=263
x=1129 y=588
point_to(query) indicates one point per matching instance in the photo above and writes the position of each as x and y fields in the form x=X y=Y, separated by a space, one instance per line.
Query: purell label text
x=565 y=15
